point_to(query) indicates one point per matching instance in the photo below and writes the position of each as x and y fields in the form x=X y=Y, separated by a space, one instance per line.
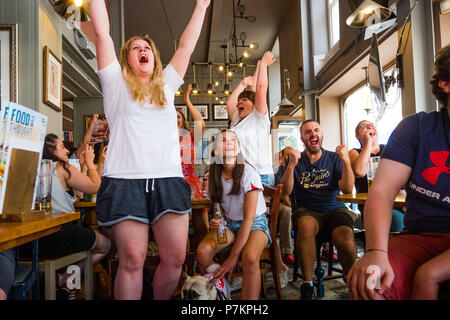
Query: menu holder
x=20 y=187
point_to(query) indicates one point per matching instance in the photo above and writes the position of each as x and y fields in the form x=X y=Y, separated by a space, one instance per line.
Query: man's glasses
x=368 y=125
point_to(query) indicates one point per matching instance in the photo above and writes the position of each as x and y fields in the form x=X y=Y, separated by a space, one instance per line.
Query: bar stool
x=50 y=265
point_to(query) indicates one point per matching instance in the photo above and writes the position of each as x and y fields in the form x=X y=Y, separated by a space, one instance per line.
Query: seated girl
x=237 y=186
x=72 y=237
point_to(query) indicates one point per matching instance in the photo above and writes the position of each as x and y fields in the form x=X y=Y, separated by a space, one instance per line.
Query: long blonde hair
x=155 y=87
x=184 y=118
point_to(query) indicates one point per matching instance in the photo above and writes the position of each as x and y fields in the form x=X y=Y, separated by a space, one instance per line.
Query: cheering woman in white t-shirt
x=237 y=187
x=142 y=182
x=248 y=113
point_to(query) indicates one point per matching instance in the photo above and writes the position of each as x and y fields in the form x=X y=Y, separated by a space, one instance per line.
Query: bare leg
x=101 y=247
x=251 y=276
x=428 y=276
x=209 y=247
x=344 y=241
x=171 y=232
x=132 y=242
x=2 y=295
x=201 y=226
x=307 y=230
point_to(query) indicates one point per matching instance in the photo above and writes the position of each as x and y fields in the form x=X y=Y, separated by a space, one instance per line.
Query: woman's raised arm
x=188 y=40
x=104 y=43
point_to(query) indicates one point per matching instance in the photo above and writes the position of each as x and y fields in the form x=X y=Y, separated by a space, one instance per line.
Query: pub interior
x=73 y=226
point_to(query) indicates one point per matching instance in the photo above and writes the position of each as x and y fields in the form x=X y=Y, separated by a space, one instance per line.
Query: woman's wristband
x=374 y=249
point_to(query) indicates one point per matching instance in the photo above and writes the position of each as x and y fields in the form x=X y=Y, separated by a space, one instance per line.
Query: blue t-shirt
x=422 y=142
x=316 y=185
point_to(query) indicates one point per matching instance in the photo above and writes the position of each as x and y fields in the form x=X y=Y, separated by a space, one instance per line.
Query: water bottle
x=221 y=234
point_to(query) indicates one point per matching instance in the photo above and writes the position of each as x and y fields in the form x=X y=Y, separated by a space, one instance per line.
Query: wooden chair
x=270 y=260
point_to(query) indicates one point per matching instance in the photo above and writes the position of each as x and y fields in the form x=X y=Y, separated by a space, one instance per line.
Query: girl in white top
x=248 y=112
x=142 y=182
x=237 y=187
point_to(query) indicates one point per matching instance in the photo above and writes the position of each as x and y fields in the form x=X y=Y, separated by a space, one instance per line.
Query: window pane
x=333 y=12
x=358 y=107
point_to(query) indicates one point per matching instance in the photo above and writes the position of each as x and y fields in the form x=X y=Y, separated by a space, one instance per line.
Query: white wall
x=329 y=111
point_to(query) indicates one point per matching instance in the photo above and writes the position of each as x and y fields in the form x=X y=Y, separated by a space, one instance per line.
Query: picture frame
x=52 y=79
x=203 y=109
x=8 y=63
x=220 y=112
x=101 y=128
x=183 y=108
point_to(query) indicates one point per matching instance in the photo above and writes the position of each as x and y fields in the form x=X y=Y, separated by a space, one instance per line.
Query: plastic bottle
x=221 y=234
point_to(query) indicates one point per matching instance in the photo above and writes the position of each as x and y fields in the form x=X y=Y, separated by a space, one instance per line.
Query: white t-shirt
x=233 y=205
x=144 y=141
x=253 y=133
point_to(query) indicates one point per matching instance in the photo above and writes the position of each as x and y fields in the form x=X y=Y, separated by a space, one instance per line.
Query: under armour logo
x=439 y=158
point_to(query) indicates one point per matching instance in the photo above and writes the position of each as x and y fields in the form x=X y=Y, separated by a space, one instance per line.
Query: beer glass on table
x=372 y=166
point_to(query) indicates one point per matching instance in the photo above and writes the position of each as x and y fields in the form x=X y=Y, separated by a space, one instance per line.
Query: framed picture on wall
x=203 y=110
x=220 y=112
x=52 y=79
x=183 y=108
x=8 y=62
x=100 y=130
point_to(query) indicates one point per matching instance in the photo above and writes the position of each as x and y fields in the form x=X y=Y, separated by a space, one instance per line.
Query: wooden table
x=13 y=234
x=201 y=203
x=90 y=217
x=361 y=198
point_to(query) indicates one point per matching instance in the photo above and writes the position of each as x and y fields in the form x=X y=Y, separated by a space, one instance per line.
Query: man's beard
x=317 y=150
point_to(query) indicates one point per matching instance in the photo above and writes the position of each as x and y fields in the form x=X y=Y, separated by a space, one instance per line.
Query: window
x=333 y=22
x=359 y=106
x=289 y=136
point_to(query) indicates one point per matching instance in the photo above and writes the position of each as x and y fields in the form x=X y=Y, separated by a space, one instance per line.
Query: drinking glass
x=372 y=166
x=44 y=189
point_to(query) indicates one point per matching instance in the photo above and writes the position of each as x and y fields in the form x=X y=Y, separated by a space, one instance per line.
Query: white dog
x=205 y=287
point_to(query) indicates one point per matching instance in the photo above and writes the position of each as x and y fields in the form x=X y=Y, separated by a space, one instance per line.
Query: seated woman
x=237 y=186
x=72 y=237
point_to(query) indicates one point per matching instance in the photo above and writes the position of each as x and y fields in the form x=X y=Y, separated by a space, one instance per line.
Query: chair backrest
x=273 y=207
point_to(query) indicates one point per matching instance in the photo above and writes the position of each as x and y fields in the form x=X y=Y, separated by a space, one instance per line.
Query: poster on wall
x=20 y=128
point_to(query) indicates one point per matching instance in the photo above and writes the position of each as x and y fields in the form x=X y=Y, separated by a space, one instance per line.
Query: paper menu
x=20 y=128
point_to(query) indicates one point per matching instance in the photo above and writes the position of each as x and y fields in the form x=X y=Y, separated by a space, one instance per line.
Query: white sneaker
x=235 y=283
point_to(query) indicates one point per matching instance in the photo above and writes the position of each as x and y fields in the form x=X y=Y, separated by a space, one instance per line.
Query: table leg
x=35 y=268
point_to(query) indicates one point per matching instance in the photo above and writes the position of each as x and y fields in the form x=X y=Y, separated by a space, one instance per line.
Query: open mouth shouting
x=314 y=143
x=143 y=59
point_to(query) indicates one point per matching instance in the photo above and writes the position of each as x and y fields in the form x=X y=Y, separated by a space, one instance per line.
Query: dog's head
x=198 y=288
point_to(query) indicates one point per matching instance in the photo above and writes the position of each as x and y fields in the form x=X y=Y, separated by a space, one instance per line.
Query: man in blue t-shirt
x=313 y=179
x=417 y=155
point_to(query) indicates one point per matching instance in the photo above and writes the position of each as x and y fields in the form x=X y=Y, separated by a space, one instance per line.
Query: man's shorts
x=328 y=221
x=143 y=200
x=407 y=252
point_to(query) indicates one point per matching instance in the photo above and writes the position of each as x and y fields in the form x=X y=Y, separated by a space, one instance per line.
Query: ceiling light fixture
x=287 y=85
x=195 y=91
x=367 y=12
x=209 y=90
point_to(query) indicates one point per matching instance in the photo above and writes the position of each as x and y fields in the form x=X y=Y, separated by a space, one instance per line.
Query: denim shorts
x=260 y=223
x=268 y=180
x=143 y=200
